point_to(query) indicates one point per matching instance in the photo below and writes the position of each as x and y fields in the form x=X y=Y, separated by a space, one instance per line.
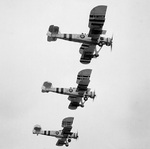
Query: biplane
x=89 y=41
x=64 y=136
x=78 y=96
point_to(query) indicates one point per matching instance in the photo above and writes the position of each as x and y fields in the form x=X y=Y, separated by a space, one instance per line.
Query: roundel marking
x=70 y=90
x=82 y=36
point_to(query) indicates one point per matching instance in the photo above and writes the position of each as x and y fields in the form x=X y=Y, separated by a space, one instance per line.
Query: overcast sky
x=119 y=118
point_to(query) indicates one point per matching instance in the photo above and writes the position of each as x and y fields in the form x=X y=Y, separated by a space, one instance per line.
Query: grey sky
x=119 y=116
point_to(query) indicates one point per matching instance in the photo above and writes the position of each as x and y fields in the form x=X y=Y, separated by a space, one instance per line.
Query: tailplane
x=37 y=129
x=46 y=86
x=52 y=31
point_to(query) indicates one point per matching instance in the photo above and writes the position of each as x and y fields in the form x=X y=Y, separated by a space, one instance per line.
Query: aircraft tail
x=52 y=31
x=37 y=129
x=46 y=86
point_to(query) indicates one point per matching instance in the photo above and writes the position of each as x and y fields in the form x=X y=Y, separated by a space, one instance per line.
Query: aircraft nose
x=76 y=135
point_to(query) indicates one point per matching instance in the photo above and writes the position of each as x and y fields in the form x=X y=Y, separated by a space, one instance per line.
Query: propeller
x=94 y=95
x=111 y=41
x=77 y=137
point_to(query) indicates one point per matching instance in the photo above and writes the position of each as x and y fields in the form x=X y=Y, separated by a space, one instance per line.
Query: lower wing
x=61 y=142
x=86 y=52
x=75 y=102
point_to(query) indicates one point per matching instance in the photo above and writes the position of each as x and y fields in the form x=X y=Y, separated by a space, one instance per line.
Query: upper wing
x=96 y=21
x=83 y=80
x=67 y=125
x=74 y=102
x=86 y=52
x=61 y=142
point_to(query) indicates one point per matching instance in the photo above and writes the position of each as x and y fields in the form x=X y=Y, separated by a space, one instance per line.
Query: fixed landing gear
x=67 y=144
x=83 y=101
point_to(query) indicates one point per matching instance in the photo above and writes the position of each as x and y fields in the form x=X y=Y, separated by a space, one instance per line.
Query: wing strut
x=96 y=52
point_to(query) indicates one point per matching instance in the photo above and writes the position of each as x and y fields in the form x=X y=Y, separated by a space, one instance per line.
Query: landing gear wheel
x=82 y=106
x=85 y=98
x=69 y=140
x=96 y=55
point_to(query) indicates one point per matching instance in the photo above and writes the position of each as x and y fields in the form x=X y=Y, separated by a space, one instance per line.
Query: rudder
x=46 y=86
x=54 y=31
x=37 y=129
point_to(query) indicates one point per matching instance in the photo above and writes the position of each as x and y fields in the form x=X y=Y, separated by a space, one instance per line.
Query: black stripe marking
x=97 y=16
x=65 y=36
x=57 y=90
x=62 y=91
x=70 y=37
x=48 y=133
x=44 y=132
x=93 y=20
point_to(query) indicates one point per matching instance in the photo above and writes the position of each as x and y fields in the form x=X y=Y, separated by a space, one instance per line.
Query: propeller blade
x=94 y=96
x=111 y=42
x=77 y=137
x=111 y=47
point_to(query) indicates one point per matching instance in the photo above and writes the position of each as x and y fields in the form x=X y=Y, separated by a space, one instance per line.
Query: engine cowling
x=92 y=94
x=75 y=135
x=108 y=41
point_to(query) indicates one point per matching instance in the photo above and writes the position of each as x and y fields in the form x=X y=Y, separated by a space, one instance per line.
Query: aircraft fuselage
x=67 y=91
x=57 y=134
x=81 y=38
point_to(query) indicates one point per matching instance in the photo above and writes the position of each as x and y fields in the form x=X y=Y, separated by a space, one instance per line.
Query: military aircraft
x=78 y=96
x=89 y=41
x=64 y=136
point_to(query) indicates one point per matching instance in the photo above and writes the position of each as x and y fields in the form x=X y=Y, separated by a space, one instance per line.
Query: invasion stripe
x=44 y=132
x=62 y=91
x=70 y=37
x=97 y=16
x=57 y=90
x=65 y=36
x=49 y=133
x=93 y=20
